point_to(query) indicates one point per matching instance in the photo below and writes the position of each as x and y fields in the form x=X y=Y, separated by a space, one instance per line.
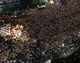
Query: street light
x=51 y=2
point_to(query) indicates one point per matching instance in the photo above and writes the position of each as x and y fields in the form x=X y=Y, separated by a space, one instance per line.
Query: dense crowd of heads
x=46 y=26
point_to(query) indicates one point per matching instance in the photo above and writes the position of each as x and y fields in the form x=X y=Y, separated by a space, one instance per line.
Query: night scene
x=39 y=31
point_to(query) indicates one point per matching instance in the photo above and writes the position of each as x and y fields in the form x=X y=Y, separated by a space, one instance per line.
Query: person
x=9 y=20
x=3 y=15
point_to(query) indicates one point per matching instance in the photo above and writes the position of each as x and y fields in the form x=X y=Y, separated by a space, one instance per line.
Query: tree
x=31 y=3
x=26 y=3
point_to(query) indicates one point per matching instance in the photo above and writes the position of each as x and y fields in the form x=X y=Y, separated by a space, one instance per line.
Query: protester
x=45 y=29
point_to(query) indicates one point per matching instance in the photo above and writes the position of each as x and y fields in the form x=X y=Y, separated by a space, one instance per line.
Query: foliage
x=31 y=3
x=26 y=3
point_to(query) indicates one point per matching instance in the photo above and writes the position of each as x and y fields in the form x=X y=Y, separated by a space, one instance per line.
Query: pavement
x=8 y=5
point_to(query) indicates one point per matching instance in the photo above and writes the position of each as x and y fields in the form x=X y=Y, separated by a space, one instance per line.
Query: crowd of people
x=45 y=28
x=11 y=49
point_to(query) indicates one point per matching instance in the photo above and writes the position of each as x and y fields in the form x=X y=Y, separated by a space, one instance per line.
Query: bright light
x=47 y=61
x=19 y=33
x=51 y=2
x=62 y=45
